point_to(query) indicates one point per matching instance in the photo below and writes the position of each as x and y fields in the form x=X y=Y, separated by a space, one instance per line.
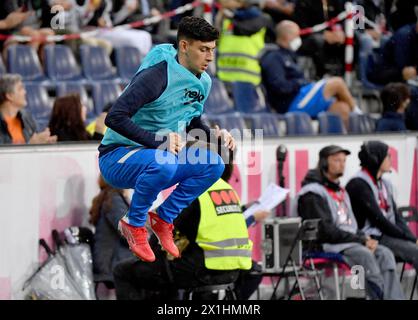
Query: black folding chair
x=308 y=233
x=410 y=214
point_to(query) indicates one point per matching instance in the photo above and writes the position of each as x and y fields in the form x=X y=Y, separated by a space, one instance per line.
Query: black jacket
x=313 y=206
x=311 y=12
x=365 y=207
x=362 y=198
x=28 y=126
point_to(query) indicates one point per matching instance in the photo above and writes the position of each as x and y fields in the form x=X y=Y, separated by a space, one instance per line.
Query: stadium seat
x=298 y=123
x=96 y=63
x=73 y=87
x=330 y=123
x=39 y=104
x=61 y=64
x=234 y=123
x=268 y=122
x=246 y=98
x=22 y=59
x=128 y=60
x=103 y=93
x=218 y=100
x=361 y=124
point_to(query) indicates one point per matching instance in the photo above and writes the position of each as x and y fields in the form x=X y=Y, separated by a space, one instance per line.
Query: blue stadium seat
x=22 y=59
x=39 y=104
x=96 y=63
x=73 y=87
x=361 y=124
x=218 y=100
x=298 y=123
x=61 y=64
x=266 y=121
x=128 y=60
x=103 y=93
x=246 y=98
x=330 y=123
x=230 y=122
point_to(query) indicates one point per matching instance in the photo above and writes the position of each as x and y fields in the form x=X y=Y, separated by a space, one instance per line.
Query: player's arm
x=144 y=88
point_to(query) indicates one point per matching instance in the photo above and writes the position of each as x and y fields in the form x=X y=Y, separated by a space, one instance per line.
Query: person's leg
x=133 y=277
x=403 y=249
x=360 y=255
x=336 y=87
x=343 y=110
x=248 y=282
x=198 y=169
x=127 y=168
x=387 y=266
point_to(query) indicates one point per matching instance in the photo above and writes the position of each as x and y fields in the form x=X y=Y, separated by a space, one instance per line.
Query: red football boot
x=164 y=232
x=137 y=238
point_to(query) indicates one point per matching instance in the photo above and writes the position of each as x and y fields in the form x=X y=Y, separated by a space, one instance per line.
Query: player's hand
x=260 y=215
x=175 y=143
x=226 y=137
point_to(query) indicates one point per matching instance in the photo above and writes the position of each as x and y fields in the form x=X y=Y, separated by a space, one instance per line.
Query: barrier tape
x=322 y=26
x=87 y=34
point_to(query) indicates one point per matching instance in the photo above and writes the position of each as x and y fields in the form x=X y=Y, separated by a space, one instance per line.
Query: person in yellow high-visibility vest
x=217 y=248
x=243 y=28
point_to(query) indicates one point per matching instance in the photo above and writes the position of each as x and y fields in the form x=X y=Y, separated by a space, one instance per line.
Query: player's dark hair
x=195 y=28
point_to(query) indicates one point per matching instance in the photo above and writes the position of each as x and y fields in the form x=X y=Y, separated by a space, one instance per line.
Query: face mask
x=295 y=44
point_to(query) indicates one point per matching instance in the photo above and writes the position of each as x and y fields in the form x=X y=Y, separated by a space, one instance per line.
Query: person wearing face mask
x=323 y=197
x=374 y=204
x=288 y=89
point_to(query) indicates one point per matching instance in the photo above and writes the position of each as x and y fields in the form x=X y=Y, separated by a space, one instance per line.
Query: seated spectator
x=323 y=197
x=401 y=12
x=279 y=9
x=325 y=48
x=395 y=99
x=17 y=125
x=288 y=90
x=199 y=229
x=97 y=14
x=22 y=17
x=372 y=37
x=374 y=204
x=109 y=247
x=68 y=118
x=398 y=63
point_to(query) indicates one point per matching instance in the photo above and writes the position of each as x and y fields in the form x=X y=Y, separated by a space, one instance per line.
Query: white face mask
x=295 y=44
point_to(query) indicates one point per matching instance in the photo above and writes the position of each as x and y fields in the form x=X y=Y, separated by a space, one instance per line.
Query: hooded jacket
x=313 y=206
x=363 y=201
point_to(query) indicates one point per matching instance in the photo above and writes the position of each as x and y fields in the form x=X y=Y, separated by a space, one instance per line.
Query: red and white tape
x=322 y=26
x=87 y=34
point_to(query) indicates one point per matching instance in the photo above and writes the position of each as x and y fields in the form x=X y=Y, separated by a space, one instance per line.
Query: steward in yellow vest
x=222 y=233
x=240 y=44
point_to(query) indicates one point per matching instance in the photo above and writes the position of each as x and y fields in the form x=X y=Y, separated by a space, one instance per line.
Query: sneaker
x=164 y=232
x=137 y=238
